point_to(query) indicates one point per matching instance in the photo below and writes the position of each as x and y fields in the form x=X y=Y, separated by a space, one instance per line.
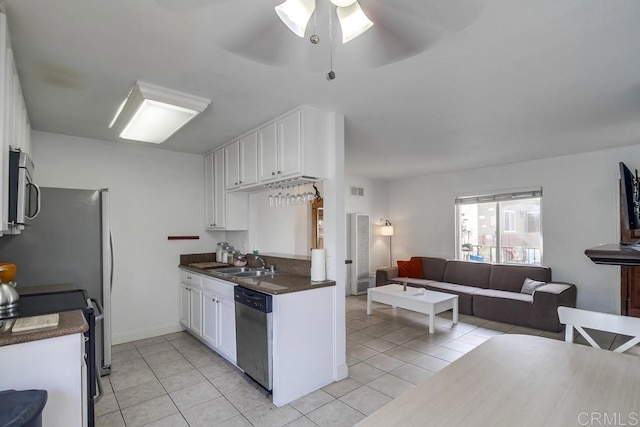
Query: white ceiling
x=435 y=85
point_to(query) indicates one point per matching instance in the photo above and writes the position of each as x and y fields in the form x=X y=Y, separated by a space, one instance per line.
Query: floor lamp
x=387 y=230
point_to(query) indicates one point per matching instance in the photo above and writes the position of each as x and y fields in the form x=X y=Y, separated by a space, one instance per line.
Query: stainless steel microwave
x=24 y=194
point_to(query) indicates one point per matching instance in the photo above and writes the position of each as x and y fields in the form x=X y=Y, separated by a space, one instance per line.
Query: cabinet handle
x=240 y=182
x=273 y=173
x=235 y=183
x=279 y=172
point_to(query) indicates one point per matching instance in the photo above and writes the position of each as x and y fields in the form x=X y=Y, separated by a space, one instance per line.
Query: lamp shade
x=353 y=21
x=296 y=14
x=152 y=113
x=386 y=230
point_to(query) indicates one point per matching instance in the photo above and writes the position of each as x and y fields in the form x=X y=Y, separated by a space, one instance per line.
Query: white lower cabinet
x=54 y=365
x=191 y=302
x=210 y=326
x=207 y=310
x=219 y=328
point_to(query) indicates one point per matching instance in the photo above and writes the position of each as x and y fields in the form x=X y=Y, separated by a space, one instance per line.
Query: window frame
x=497 y=198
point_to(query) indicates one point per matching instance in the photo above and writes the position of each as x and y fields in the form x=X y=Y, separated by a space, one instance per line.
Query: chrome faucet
x=264 y=264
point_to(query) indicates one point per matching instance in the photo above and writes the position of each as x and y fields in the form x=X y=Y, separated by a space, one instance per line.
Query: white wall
x=579 y=211
x=374 y=203
x=154 y=193
x=282 y=230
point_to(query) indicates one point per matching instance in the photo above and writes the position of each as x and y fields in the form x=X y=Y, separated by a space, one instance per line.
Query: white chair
x=579 y=319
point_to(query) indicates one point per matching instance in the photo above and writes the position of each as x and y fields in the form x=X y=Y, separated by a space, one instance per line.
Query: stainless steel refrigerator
x=69 y=242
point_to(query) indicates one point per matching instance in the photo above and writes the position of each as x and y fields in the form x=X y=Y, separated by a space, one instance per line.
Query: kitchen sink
x=234 y=270
x=254 y=273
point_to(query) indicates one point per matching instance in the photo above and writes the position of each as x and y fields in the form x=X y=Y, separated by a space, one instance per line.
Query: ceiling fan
x=398 y=29
x=296 y=14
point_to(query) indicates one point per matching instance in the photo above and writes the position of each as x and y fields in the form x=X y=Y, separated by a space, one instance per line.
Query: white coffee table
x=414 y=299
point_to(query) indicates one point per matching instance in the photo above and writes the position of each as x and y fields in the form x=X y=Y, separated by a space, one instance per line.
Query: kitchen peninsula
x=301 y=322
x=49 y=359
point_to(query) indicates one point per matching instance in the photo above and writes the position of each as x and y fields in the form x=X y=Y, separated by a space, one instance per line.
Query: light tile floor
x=174 y=380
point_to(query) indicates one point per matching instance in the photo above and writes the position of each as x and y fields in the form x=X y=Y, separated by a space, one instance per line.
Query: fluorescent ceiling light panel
x=152 y=113
x=296 y=14
x=353 y=21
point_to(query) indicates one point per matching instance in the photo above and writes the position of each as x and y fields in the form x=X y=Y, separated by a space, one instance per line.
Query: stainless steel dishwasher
x=253 y=335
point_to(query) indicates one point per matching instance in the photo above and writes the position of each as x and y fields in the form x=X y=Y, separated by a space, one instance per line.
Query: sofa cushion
x=469 y=274
x=433 y=268
x=508 y=307
x=412 y=268
x=465 y=294
x=511 y=277
x=504 y=295
x=529 y=286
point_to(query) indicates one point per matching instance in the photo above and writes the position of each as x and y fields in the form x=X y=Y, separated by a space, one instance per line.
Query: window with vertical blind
x=500 y=228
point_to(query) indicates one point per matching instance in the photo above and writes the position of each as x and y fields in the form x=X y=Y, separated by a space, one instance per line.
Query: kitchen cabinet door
x=185 y=302
x=232 y=165
x=249 y=159
x=219 y=190
x=226 y=344
x=290 y=145
x=196 y=311
x=210 y=319
x=268 y=152
x=209 y=200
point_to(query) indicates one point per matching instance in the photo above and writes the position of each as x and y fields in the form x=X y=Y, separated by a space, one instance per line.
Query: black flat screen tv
x=629 y=198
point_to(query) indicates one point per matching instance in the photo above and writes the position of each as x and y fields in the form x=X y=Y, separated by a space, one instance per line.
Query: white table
x=521 y=380
x=414 y=299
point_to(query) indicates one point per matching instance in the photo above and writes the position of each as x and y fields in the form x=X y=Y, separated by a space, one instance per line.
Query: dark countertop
x=279 y=283
x=70 y=322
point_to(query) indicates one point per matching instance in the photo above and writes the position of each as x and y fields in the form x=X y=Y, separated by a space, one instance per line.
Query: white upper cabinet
x=219 y=190
x=290 y=146
x=223 y=210
x=209 y=200
x=241 y=162
x=232 y=165
x=249 y=159
x=15 y=130
x=268 y=152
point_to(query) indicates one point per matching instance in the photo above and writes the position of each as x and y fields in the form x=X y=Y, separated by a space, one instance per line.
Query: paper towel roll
x=318 y=265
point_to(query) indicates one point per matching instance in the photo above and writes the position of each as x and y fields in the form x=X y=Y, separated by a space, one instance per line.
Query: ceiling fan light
x=343 y=3
x=353 y=21
x=296 y=14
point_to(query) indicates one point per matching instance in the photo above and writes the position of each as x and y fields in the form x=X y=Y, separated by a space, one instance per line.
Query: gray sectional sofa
x=493 y=291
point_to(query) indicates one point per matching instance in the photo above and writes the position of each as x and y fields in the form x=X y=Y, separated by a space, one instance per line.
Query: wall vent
x=357 y=191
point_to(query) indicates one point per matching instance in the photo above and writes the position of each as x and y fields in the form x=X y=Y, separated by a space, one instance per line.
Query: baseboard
x=141 y=334
x=342 y=372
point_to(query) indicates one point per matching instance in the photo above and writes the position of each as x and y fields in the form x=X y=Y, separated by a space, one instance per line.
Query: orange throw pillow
x=412 y=269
